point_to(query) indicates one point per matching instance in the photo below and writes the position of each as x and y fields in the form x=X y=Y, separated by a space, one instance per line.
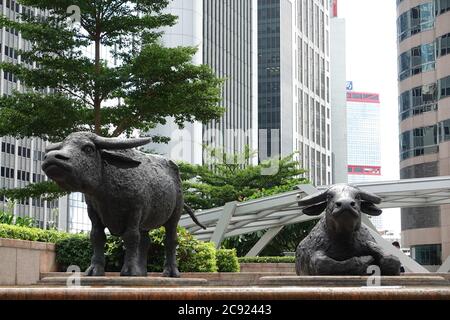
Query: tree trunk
x=97 y=100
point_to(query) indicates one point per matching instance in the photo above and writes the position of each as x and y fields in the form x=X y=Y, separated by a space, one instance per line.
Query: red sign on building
x=364 y=170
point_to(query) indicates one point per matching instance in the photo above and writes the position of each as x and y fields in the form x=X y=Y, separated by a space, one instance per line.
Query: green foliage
x=227 y=260
x=74 y=250
x=6 y=218
x=192 y=255
x=146 y=83
x=48 y=190
x=286 y=241
x=289 y=238
x=31 y=234
x=25 y=222
x=267 y=260
x=228 y=179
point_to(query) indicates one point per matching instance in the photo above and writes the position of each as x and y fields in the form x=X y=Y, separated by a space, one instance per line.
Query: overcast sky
x=372 y=66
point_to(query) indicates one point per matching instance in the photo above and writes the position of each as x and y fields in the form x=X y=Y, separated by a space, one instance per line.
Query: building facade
x=338 y=97
x=294 y=83
x=423 y=30
x=224 y=32
x=364 y=141
x=21 y=159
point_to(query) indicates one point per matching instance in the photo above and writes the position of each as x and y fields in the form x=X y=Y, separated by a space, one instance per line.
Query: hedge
x=75 y=249
x=266 y=260
x=32 y=234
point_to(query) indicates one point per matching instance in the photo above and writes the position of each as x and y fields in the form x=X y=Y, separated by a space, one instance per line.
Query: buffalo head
x=75 y=164
x=343 y=205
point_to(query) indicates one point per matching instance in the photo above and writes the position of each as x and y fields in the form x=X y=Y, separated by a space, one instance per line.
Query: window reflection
x=441 y=6
x=416 y=20
x=417 y=101
x=417 y=60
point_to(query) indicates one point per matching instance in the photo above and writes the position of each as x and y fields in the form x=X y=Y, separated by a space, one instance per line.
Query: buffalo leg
x=144 y=245
x=98 y=240
x=131 y=267
x=170 y=243
x=324 y=265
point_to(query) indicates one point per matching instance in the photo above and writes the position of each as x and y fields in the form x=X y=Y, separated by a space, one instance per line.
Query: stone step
x=245 y=280
x=354 y=281
x=213 y=278
x=108 y=281
x=224 y=293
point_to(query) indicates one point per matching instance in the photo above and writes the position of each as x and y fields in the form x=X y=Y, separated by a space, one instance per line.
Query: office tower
x=21 y=159
x=423 y=30
x=363 y=136
x=294 y=83
x=364 y=140
x=224 y=32
x=338 y=97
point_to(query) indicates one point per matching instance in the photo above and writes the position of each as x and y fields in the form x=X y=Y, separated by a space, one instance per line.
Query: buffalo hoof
x=132 y=270
x=171 y=272
x=95 y=270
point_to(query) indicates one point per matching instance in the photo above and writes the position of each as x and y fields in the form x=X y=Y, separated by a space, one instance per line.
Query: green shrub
x=267 y=260
x=192 y=255
x=227 y=260
x=74 y=250
x=31 y=234
x=7 y=218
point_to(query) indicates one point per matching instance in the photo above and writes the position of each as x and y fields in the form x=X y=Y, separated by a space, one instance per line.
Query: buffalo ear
x=370 y=209
x=119 y=160
x=316 y=209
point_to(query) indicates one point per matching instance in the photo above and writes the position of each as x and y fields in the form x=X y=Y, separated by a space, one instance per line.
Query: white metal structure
x=274 y=212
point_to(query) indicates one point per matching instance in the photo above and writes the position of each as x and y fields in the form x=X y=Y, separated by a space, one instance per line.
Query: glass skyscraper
x=363 y=141
x=294 y=83
x=224 y=32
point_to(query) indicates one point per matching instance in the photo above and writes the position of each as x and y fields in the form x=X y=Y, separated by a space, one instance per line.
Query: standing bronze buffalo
x=126 y=191
x=339 y=244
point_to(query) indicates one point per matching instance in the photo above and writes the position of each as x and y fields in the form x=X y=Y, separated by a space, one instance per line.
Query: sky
x=371 y=50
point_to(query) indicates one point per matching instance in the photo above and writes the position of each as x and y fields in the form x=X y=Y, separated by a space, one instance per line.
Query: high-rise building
x=423 y=30
x=225 y=33
x=294 y=83
x=338 y=97
x=21 y=159
x=363 y=141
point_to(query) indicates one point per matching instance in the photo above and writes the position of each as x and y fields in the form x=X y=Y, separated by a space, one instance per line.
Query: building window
x=428 y=255
x=441 y=6
x=418 y=142
x=417 y=101
x=443 y=45
x=444 y=87
x=416 y=20
x=444 y=131
x=417 y=60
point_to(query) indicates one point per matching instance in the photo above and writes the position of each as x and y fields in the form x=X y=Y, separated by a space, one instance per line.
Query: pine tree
x=66 y=90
